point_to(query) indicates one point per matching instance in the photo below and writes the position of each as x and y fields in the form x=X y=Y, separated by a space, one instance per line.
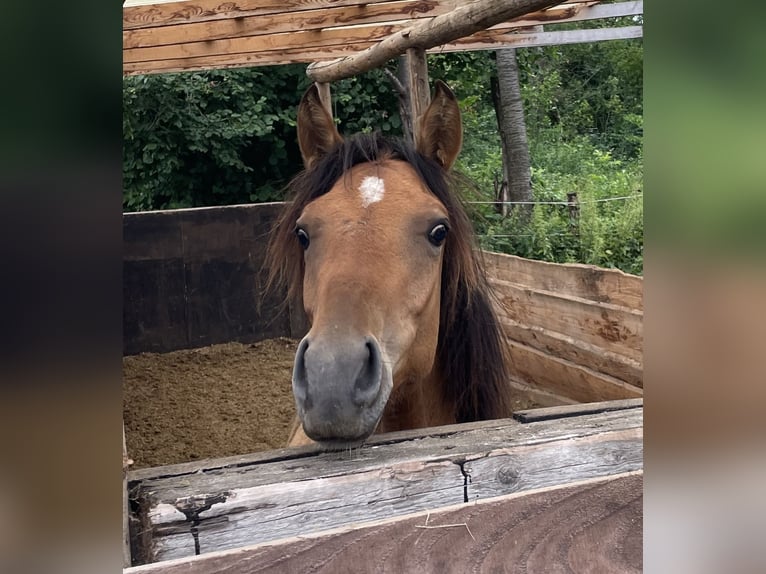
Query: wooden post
x=324 y=95
x=417 y=80
x=574 y=208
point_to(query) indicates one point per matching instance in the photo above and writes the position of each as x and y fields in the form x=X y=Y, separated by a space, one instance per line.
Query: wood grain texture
x=584 y=281
x=579 y=409
x=565 y=378
x=576 y=351
x=194 y=277
x=588 y=527
x=225 y=508
x=462 y=21
x=284 y=22
x=209 y=26
x=613 y=328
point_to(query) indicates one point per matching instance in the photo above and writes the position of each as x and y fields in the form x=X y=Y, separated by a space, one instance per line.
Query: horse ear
x=440 y=133
x=317 y=133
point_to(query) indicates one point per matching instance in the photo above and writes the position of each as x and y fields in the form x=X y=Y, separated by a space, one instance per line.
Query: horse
x=376 y=243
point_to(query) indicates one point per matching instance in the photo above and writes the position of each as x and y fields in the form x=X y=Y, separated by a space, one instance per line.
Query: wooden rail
x=227 y=504
x=591 y=525
x=200 y=34
x=574 y=332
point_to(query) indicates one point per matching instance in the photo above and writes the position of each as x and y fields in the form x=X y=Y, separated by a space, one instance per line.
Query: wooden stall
x=495 y=479
x=552 y=489
x=574 y=334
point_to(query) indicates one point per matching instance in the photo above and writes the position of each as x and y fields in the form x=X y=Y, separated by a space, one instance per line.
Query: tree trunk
x=513 y=131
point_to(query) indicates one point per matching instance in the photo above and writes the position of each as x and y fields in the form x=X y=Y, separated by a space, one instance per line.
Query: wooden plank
x=272 y=42
x=565 y=378
x=224 y=508
x=577 y=351
x=579 y=409
x=193 y=277
x=282 y=22
x=609 y=327
x=312 y=54
x=585 y=281
x=462 y=21
x=588 y=526
x=177 y=15
x=517 y=470
x=146 y=14
x=490 y=40
x=175 y=61
x=541 y=396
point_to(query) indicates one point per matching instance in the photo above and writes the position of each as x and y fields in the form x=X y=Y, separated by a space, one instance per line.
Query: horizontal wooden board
x=575 y=410
x=284 y=22
x=613 y=328
x=588 y=526
x=585 y=281
x=225 y=508
x=576 y=351
x=339 y=15
x=234 y=34
x=565 y=378
x=315 y=53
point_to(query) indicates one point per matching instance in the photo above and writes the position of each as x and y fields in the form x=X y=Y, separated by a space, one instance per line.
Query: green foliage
x=226 y=137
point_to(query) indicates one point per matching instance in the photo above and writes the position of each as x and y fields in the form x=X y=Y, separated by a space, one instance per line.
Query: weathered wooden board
x=565 y=378
x=578 y=409
x=199 y=34
x=613 y=328
x=226 y=507
x=588 y=526
x=585 y=281
x=576 y=351
x=194 y=277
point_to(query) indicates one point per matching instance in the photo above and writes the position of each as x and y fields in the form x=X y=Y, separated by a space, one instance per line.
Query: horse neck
x=417 y=404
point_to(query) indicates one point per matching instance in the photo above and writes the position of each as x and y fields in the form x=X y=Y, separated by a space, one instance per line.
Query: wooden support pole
x=456 y=24
x=324 y=96
x=420 y=93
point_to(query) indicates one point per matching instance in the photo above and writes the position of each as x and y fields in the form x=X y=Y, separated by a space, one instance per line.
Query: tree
x=509 y=108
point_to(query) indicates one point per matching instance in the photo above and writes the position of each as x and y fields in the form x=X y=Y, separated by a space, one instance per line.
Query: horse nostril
x=367 y=384
x=300 y=380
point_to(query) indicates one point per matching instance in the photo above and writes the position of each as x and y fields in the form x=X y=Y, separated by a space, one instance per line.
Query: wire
x=570 y=203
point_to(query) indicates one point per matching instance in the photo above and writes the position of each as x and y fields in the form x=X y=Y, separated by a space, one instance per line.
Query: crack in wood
x=193 y=506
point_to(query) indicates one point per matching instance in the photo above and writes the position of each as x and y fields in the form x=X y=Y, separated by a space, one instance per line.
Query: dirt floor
x=215 y=401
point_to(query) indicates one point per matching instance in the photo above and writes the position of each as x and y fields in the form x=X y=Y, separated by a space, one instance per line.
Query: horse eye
x=303 y=238
x=438 y=234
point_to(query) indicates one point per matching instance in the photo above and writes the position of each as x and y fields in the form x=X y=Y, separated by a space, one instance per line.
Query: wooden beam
x=417 y=83
x=224 y=508
x=584 y=281
x=167 y=13
x=282 y=22
x=489 y=41
x=565 y=378
x=576 y=410
x=613 y=328
x=576 y=351
x=324 y=96
x=460 y=22
x=590 y=525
